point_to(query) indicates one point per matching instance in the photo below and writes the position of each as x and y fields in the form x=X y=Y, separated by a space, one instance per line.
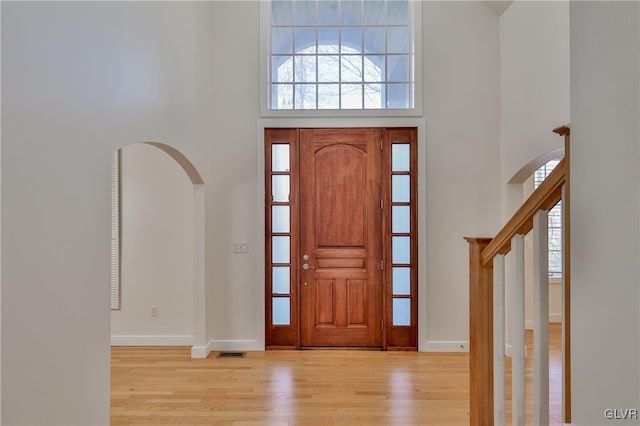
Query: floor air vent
x=231 y=355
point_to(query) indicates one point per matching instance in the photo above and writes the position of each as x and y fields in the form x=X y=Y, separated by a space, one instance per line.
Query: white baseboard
x=528 y=324
x=446 y=346
x=235 y=345
x=152 y=340
x=199 y=352
x=225 y=345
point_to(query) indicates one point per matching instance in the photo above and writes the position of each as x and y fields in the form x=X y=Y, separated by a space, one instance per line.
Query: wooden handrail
x=544 y=197
x=562 y=131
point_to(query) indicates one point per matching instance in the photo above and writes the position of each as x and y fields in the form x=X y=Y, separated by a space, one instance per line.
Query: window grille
x=341 y=55
x=555 y=223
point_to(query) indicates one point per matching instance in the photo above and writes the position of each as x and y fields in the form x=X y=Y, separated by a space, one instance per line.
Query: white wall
x=534 y=87
x=534 y=96
x=461 y=109
x=82 y=79
x=0 y=244
x=605 y=213
x=461 y=105
x=79 y=80
x=236 y=299
x=156 y=250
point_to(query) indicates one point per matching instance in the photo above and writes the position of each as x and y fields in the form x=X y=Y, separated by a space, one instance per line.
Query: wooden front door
x=340 y=238
x=343 y=202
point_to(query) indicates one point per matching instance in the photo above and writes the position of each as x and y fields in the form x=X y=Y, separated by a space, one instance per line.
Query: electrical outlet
x=240 y=247
x=154 y=311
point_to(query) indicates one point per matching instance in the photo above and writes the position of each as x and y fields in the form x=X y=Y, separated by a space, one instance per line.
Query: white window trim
x=265 y=41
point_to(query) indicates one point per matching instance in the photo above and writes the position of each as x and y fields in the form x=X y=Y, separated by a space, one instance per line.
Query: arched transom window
x=337 y=54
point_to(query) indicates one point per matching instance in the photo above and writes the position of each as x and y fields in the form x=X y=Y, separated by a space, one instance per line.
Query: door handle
x=306 y=266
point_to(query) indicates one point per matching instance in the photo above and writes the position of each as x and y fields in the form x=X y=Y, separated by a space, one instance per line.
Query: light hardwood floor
x=163 y=386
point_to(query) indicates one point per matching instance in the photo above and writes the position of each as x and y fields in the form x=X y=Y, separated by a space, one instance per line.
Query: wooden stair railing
x=482 y=252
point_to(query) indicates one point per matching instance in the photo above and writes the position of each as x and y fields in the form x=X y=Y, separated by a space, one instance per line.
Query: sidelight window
x=280 y=212
x=401 y=236
x=281 y=276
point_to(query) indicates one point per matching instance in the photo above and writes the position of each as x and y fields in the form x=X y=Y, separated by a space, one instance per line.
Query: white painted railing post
x=517 y=332
x=498 y=340
x=541 y=318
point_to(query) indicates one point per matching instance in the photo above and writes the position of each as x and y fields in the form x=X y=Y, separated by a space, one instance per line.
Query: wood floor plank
x=163 y=386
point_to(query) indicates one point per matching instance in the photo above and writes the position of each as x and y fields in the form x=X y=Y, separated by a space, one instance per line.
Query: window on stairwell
x=555 y=223
x=340 y=55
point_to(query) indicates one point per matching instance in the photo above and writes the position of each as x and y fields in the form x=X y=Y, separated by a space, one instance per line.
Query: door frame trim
x=379 y=122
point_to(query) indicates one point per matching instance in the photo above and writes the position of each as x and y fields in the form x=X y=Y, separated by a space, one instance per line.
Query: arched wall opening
x=160 y=249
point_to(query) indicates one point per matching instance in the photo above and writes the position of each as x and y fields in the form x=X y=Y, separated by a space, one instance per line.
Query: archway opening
x=157 y=248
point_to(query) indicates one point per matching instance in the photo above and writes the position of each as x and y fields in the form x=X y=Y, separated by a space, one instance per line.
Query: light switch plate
x=240 y=247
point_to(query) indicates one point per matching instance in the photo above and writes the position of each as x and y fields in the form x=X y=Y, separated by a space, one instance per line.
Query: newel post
x=480 y=335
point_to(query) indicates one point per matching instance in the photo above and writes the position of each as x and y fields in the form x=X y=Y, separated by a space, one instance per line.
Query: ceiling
x=498 y=6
